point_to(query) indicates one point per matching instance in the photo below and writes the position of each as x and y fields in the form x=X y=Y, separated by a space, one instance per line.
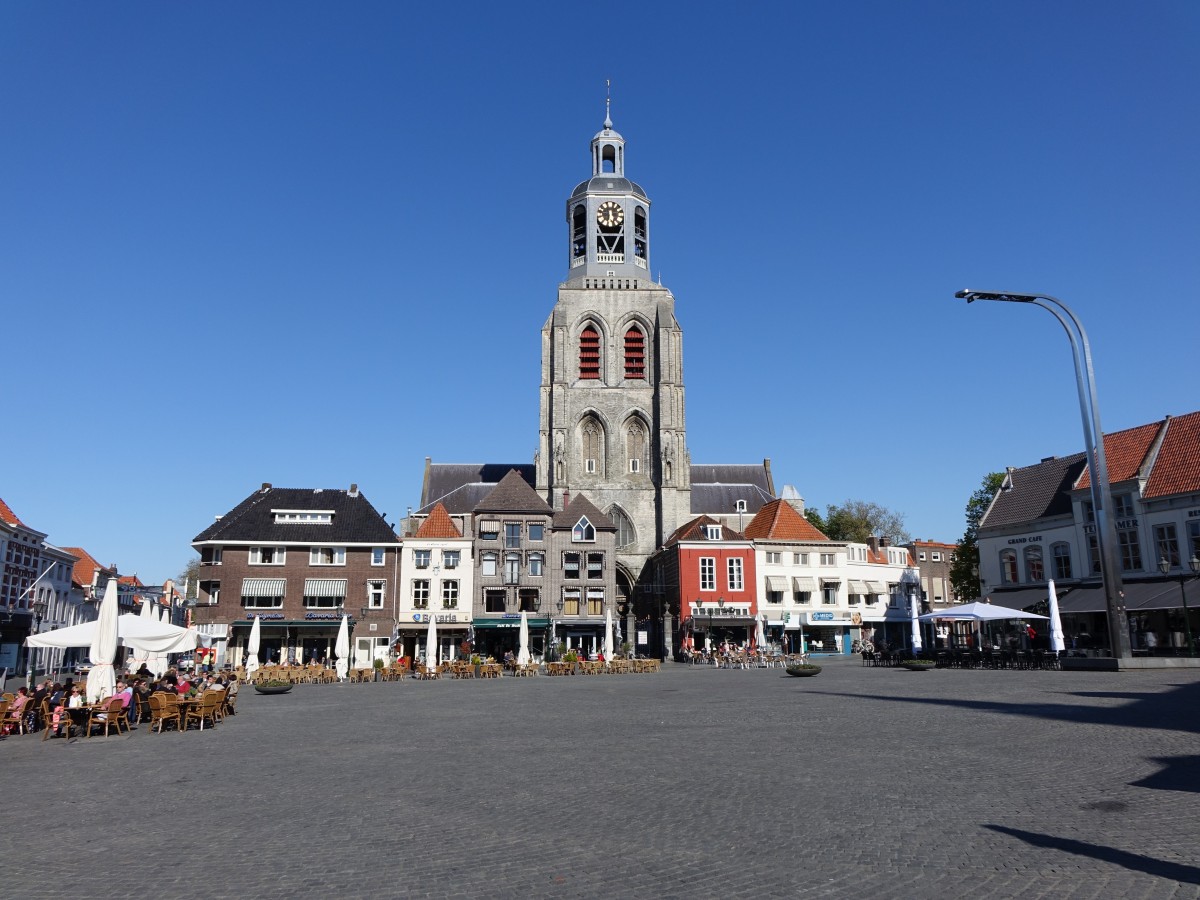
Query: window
x=921 y=556
x=734 y=572
x=571 y=601
x=375 y=594
x=639 y=236
x=1008 y=567
x=708 y=573
x=211 y=590
x=450 y=558
x=829 y=559
x=324 y=599
x=595 y=601
x=1194 y=539
x=302 y=517
x=422 y=558
x=1123 y=506
x=935 y=557
x=512 y=534
x=1061 y=554
x=589 y=353
x=626 y=534
x=829 y=593
x=592 y=444
x=578 y=233
x=595 y=566
x=774 y=596
x=327 y=556
x=1131 y=550
x=1089 y=511
x=583 y=532
x=449 y=595
x=635 y=446
x=1168 y=544
x=712 y=532
x=487 y=564
x=773 y=558
x=1094 y=554
x=570 y=565
x=635 y=353
x=378 y=555
x=802 y=597
x=210 y=556
x=263 y=602
x=1034 y=571
x=420 y=593
x=494 y=601
x=267 y=556
x=800 y=559
x=527 y=600
x=512 y=568
x=536 y=563
x=536 y=531
x=489 y=531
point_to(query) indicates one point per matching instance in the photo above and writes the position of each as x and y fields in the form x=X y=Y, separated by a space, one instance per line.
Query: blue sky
x=313 y=244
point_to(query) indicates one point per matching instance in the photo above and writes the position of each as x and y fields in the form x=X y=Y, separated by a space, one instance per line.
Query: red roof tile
x=438 y=524
x=779 y=521
x=695 y=531
x=85 y=568
x=8 y=516
x=1177 y=467
x=1124 y=451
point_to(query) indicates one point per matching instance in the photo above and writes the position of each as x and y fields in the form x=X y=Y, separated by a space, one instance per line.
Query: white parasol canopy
x=431 y=643
x=141 y=656
x=523 y=638
x=1058 y=641
x=608 y=636
x=917 y=646
x=252 y=645
x=978 y=612
x=760 y=633
x=143 y=633
x=341 y=648
x=102 y=680
x=158 y=658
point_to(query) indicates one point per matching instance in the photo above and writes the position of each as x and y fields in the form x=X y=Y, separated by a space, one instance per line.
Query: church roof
x=513 y=494
x=461 y=486
x=438 y=524
x=722 y=499
x=779 y=521
x=608 y=184
x=578 y=508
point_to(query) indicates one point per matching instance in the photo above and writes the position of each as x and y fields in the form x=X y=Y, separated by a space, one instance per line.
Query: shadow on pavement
x=1178 y=773
x=1135 y=862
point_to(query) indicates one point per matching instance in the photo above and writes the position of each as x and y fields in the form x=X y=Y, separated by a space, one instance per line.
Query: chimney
x=885 y=541
x=353 y=490
x=266 y=486
x=873 y=543
x=566 y=498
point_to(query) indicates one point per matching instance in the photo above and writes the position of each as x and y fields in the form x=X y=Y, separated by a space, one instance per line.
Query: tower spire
x=607 y=102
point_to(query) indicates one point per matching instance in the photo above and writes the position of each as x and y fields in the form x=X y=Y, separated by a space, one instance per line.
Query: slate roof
x=1035 y=492
x=738 y=473
x=779 y=521
x=1124 y=452
x=1177 y=466
x=695 y=531
x=721 y=499
x=514 y=494
x=578 y=508
x=355 y=520
x=460 y=486
x=438 y=524
x=7 y=515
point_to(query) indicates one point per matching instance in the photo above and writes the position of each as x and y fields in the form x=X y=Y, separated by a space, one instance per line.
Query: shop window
x=1008 y=567
x=1061 y=555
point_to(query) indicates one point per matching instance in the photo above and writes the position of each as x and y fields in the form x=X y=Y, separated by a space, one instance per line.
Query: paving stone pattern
x=692 y=783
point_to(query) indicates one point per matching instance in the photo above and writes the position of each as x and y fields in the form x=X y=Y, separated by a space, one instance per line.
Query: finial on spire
x=607 y=102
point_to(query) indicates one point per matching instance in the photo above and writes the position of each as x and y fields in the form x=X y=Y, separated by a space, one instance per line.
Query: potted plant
x=272 y=686
x=802 y=670
x=918 y=665
x=572 y=659
x=477 y=664
x=378 y=668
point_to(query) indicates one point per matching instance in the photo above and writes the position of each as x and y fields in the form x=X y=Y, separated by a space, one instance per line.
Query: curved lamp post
x=1164 y=566
x=1093 y=439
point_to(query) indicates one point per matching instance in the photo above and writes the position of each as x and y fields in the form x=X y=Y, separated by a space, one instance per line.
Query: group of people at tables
x=68 y=699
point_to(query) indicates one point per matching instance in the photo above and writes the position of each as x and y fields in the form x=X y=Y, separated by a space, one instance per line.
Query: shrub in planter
x=803 y=669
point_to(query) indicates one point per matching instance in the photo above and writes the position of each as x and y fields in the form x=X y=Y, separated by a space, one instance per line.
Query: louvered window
x=589 y=353
x=635 y=354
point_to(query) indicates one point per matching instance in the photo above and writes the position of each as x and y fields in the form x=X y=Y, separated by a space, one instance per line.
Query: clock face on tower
x=610 y=214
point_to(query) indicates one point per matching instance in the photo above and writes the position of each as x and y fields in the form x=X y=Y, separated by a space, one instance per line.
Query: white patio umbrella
x=431 y=643
x=141 y=657
x=916 y=625
x=158 y=658
x=252 y=646
x=143 y=634
x=608 y=636
x=760 y=634
x=978 y=612
x=102 y=681
x=523 y=637
x=341 y=649
x=1058 y=641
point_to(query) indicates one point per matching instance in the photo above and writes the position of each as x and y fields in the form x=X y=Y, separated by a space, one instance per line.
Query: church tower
x=612 y=409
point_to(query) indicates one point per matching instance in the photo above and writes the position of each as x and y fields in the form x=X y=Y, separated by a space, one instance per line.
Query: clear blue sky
x=312 y=244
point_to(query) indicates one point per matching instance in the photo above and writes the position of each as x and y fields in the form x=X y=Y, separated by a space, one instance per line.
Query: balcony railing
x=610 y=257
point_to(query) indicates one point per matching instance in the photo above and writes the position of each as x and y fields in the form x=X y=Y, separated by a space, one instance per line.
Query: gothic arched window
x=635 y=447
x=635 y=353
x=578 y=231
x=592 y=444
x=626 y=533
x=639 y=235
x=589 y=352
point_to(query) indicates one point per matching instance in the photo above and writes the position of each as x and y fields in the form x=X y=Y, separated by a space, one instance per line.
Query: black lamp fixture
x=1164 y=566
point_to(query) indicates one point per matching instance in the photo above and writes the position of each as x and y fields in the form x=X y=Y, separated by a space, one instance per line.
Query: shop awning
x=832 y=582
x=803 y=585
x=877 y=587
x=263 y=587
x=325 y=587
x=489 y=526
x=512 y=623
x=777 y=583
x=859 y=587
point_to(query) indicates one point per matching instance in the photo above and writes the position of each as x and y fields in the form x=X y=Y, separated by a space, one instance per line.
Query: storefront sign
x=311 y=616
x=832 y=618
x=264 y=616
x=1025 y=540
x=440 y=618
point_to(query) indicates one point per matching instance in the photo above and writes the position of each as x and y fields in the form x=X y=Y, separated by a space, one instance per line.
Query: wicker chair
x=164 y=709
x=16 y=719
x=107 y=714
x=206 y=711
x=53 y=722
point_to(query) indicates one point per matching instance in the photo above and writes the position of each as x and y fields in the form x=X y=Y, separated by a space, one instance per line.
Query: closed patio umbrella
x=341 y=649
x=252 y=646
x=608 y=636
x=916 y=625
x=102 y=681
x=431 y=643
x=1058 y=641
x=523 y=646
x=760 y=634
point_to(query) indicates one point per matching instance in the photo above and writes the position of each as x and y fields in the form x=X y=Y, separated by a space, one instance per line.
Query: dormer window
x=303 y=516
x=583 y=532
x=712 y=532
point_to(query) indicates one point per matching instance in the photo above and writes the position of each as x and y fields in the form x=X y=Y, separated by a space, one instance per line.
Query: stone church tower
x=612 y=408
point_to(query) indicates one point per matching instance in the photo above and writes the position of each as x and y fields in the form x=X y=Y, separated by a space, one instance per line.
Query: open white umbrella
x=1058 y=641
x=978 y=612
x=341 y=649
x=431 y=643
x=158 y=658
x=102 y=681
x=252 y=646
x=608 y=636
x=143 y=633
x=141 y=656
x=523 y=636
x=917 y=646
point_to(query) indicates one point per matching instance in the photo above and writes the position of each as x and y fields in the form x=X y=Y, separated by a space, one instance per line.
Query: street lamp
x=39 y=610
x=1093 y=439
x=1164 y=566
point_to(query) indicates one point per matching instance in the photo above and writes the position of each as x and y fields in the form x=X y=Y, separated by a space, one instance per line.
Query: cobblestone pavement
x=692 y=783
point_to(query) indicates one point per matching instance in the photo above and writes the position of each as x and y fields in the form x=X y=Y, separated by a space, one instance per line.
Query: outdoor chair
x=206 y=711
x=50 y=725
x=164 y=708
x=14 y=720
x=105 y=715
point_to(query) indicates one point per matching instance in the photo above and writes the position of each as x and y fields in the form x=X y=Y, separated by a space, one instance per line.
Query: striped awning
x=263 y=587
x=877 y=587
x=489 y=526
x=858 y=587
x=324 y=587
x=777 y=583
x=832 y=582
x=804 y=585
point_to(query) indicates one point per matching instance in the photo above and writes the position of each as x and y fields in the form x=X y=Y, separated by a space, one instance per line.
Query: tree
x=964 y=577
x=190 y=576
x=814 y=518
x=860 y=520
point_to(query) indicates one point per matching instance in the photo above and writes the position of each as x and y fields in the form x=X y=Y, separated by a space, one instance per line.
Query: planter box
x=803 y=671
x=272 y=689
